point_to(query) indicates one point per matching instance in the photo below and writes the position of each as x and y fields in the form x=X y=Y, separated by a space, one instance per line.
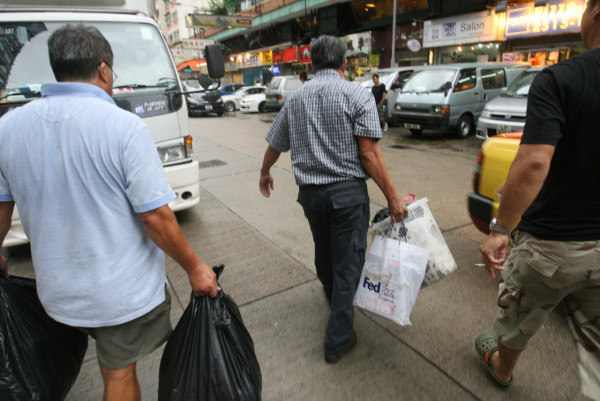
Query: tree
x=218 y=7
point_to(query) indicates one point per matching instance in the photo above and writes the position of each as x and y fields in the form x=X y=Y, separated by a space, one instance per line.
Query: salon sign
x=470 y=28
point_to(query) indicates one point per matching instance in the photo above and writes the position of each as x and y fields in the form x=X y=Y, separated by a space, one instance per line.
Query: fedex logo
x=372 y=287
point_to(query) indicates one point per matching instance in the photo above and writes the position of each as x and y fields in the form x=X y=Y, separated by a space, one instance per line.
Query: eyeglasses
x=115 y=76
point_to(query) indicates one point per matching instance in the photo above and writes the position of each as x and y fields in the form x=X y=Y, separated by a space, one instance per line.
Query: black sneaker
x=333 y=358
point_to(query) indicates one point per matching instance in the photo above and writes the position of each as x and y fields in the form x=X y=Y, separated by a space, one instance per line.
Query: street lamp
x=393 y=56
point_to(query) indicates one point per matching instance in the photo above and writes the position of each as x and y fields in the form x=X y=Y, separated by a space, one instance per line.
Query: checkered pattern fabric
x=319 y=123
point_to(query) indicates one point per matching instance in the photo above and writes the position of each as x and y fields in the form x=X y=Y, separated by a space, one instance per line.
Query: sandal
x=485 y=345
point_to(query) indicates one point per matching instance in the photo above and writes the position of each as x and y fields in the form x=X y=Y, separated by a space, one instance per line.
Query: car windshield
x=385 y=78
x=432 y=80
x=141 y=59
x=520 y=88
x=274 y=84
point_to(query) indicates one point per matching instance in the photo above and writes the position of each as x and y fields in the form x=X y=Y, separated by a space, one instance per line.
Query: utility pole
x=393 y=56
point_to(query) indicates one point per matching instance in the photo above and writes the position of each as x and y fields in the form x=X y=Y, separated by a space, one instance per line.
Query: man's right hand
x=397 y=208
x=204 y=281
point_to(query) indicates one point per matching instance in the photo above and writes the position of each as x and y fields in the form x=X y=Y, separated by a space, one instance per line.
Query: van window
x=275 y=83
x=466 y=80
x=291 y=84
x=493 y=78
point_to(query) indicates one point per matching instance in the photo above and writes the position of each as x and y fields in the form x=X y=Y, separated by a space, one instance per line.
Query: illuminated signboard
x=559 y=16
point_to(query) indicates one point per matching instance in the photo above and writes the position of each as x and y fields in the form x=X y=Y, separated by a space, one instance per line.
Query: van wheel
x=416 y=132
x=229 y=106
x=465 y=126
x=262 y=108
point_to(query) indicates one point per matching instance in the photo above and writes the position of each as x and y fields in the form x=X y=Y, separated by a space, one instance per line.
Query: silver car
x=506 y=113
x=279 y=89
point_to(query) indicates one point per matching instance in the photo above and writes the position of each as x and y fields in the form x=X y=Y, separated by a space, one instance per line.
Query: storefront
x=543 y=35
x=465 y=38
x=251 y=68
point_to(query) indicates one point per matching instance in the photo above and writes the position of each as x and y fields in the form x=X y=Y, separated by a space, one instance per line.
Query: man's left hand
x=397 y=208
x=265 y=185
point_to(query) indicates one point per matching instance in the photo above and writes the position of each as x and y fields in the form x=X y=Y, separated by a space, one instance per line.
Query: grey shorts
x=121 y=345
x=380 y=110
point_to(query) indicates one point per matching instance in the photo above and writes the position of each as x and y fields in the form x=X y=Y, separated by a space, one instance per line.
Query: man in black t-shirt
x=554 y=187
x=379 y=92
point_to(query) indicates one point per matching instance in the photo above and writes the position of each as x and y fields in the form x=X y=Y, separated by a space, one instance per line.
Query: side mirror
x=205 y=81
x=214 y=61
x=446 y=87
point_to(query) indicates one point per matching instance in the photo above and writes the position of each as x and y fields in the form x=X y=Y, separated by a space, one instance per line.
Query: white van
x=451 y=96
x=147 y=84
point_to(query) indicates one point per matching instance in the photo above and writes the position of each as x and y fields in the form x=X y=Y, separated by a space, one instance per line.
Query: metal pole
x=393 y=56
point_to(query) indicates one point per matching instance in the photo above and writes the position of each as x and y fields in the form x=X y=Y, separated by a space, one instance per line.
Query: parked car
x=452 y=96
x=496 y=155
x=232 y=102
x=253 y=103
x=393 y=79
x=506 y=113
x=228 y=89
x=205 y=102
x=279 y=89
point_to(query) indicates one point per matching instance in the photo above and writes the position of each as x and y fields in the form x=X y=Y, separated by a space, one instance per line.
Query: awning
x=190 y=65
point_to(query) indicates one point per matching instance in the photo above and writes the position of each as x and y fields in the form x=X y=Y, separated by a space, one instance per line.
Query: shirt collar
x=327 y=73
x=75 y=89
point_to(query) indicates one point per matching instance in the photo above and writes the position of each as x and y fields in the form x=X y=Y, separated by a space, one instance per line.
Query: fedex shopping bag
x=391 y=279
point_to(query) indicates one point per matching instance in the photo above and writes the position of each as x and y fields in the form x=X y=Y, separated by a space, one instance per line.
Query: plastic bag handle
x=407 y=197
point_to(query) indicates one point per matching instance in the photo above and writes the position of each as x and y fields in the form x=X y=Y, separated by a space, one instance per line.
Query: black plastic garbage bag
x=210 y=354
x=39 y=357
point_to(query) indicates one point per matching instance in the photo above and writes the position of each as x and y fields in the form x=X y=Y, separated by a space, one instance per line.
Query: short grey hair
x=76 y=51
x=328 y=52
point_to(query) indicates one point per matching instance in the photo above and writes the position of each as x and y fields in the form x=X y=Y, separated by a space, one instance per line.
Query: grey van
x=451 y=96
x=393 y=79
x=506 y=113
x=279 y=89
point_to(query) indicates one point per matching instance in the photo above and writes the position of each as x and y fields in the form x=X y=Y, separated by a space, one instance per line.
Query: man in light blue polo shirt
x=93 y=200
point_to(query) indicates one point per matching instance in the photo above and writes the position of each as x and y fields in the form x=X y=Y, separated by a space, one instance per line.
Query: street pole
x=393 y=56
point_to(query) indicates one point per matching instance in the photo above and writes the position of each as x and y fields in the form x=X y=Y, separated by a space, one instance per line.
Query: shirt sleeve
x=147 y=186
x=366 y=118
x=278 y=136
x=545 y=115
x=5 y=194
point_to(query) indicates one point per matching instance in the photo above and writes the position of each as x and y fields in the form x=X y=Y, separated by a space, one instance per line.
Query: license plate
x=412 y=126
x=503 y=129
x=208 y=107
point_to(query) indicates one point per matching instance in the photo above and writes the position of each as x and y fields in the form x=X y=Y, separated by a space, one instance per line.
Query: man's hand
x=397 y=208
x=3 y=267
x=204 y=281
x=493 y=252
x=265 y=184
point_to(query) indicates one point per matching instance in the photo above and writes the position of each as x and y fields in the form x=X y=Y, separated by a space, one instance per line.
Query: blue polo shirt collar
x=75 y=89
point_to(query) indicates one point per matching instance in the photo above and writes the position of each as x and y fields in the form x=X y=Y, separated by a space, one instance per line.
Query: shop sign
x=224 y=21
x=196 y=43
x=266 y=57
x=469 y=28
x=231 y=66
x=275 y=69
x=290 y=55
x=559 y=16
x=277 y=56
x=305 y=54
x=248 y=60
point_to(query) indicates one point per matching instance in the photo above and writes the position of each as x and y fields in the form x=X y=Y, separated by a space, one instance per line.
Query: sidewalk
x=267 y=250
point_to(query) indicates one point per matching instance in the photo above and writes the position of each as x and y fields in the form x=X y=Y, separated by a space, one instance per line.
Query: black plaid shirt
x=319 y=122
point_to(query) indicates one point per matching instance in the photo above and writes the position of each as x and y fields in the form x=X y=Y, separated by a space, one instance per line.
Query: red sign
x=277 y=56
x=290 y=55
x=305 y=54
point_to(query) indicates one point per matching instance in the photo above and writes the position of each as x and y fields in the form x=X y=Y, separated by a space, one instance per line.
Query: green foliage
x=218 y=7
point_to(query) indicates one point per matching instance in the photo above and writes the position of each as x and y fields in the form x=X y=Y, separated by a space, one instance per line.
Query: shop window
x=467 y=80
x=493 y=78
x=366 y=10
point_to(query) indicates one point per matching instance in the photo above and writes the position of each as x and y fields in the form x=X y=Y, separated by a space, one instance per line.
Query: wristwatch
x=499 y=229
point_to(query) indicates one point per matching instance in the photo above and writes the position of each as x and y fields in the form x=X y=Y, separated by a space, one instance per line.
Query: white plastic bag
x=421 y=230
x=391 y=279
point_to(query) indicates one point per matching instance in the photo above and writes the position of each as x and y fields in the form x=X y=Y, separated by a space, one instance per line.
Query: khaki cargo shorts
x=121 y=345
x=380 y=110
x=539 y=275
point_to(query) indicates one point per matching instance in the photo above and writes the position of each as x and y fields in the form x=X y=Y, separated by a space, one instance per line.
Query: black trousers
x=338 y=215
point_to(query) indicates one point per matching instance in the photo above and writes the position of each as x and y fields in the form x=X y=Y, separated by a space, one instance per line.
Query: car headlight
x=440 y=109
x=398 y=107
x=172 y=153
x=486 y=114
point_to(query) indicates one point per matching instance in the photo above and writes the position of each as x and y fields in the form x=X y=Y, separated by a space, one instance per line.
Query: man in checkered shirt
x=331 y=127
